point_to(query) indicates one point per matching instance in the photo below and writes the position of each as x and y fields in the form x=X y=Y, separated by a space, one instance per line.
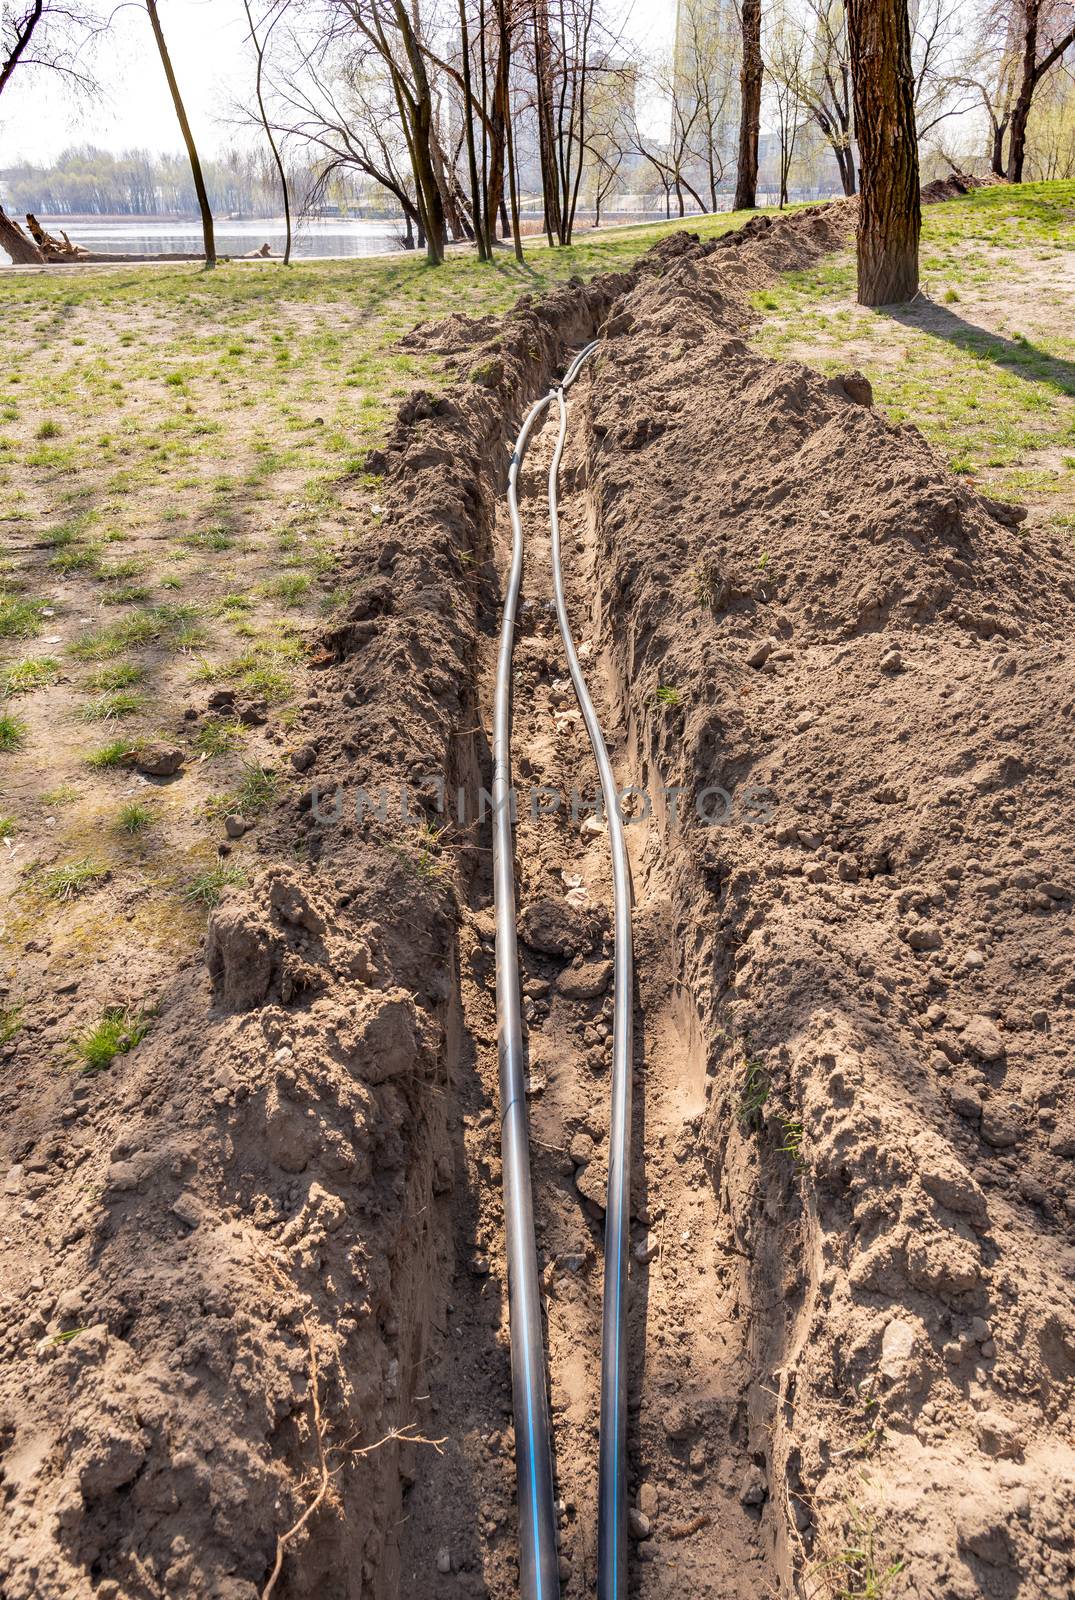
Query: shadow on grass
x=1017 y=356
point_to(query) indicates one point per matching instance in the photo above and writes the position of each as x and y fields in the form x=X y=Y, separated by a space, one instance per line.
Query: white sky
x=212 y=62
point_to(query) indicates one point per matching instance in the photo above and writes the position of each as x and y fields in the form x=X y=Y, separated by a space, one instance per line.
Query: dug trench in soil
x=266 y=1201
x=687 y=1343
x=222 y=1257
x=796 y=596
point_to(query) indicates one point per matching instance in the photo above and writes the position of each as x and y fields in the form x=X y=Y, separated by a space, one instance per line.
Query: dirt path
x=690 y=1524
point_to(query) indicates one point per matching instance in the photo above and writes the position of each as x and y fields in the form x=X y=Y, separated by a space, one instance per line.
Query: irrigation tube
x=538 y=1556
x=612 y=1465
x=539 y=1566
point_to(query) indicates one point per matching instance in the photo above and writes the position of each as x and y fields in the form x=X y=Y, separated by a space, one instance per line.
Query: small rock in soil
x=998 y=1129
x=753 y=1489
x=897 y=1345
x=983 y=1039
x=159 y=760
x=638 y=1525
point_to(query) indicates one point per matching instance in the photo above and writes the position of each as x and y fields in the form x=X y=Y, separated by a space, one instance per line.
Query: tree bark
x=483 y=244
x=19 y=246
x=23 y=34
x=746 y=179
x=503 y=26
x=550 y=178
x=1021 y=108
x=997 y=163
x=890 y=216
x=188 y=138
x=1032 y=74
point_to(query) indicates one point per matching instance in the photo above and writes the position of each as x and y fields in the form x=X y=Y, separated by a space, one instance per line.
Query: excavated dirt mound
x=223 y=1258
x=807 y=611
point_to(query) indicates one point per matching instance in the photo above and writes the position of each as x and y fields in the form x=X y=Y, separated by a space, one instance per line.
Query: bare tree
x=1046 y=31
x=188 y=137
x=574 y=52
x=750 y=81
x=393 y=31
x=819 y=76
x=938 y=26
x=342 y=103
x=785 y=53
x=890 y=211
x=271 y=18
x=703 y=67
x=50 y=34
x=1013 y=50
x=672 y=157
x=482 y=237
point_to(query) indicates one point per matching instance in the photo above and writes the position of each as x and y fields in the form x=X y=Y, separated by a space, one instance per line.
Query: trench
x=695 y=1527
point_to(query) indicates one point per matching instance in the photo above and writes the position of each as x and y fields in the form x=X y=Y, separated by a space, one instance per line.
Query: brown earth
x=267 y=1242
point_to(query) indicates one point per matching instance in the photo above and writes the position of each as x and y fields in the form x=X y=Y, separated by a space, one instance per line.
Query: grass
x=121 y=676
x=218 y=738
x=35 y=672
x=985 y=385
x=73 y=878
x=118 y=1031
x=8 y=827
x=667 y=696
x=793 y=1140
x=10 y=1022
x=63 y=795
x=754 y=1094
x=206 y=889
x=858 y=1572
x=136 y=817
x=115 y=704
x=13 y=731
x=19 y=618
x=106 y=756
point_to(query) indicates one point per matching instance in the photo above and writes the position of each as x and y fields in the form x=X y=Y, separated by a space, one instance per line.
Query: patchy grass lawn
x=983 y=362
x=181 y=460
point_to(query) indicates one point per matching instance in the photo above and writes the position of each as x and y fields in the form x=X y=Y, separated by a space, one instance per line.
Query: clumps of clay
x=283 y=939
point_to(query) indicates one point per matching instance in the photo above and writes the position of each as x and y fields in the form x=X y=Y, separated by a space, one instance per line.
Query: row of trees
x=462 y=110
x=243 y=181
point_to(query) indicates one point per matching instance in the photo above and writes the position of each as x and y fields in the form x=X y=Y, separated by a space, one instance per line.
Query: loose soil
x=256 y=1266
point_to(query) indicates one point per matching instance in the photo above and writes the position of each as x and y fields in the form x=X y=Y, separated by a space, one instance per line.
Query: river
x=332 y=236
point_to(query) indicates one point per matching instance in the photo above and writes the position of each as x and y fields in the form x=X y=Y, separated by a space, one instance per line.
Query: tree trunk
x=416 y=112
x=997 y=162
x=23 y=33
x=504 y=35
x=746 y=178
x=845 y=160
x=1021 y=108
x=550 y=176
x=188 y=138
x=19 y=246
x=890 y=217
x=484 y=252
